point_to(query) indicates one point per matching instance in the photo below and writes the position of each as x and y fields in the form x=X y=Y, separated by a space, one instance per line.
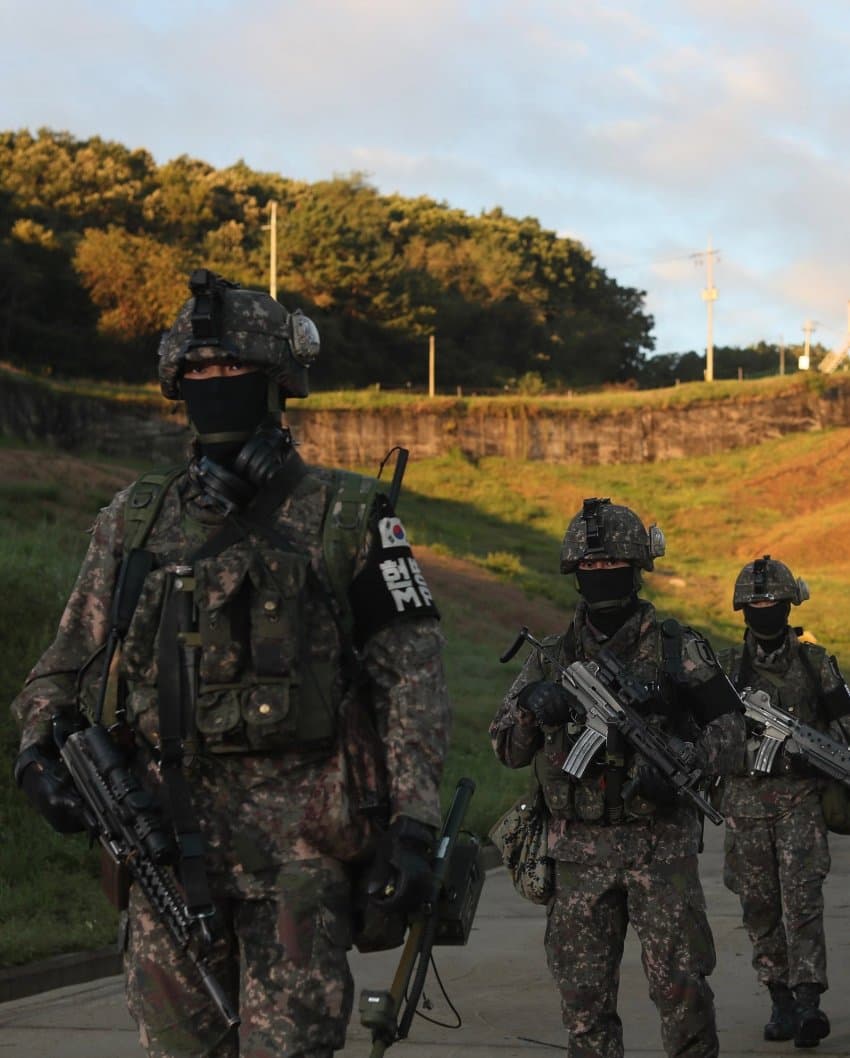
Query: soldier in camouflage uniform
x=625 y=846
x=777 y=855
x=320 y=692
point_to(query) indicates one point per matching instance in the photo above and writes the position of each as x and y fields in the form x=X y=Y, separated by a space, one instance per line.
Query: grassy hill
x=488 y=535
x=584 y=402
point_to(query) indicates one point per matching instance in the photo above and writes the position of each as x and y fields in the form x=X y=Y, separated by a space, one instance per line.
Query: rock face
x=520 y=430
x=36 y=411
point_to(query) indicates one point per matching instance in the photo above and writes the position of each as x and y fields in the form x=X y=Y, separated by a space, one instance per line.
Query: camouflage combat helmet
x=222 y=322
x=767 y=579
x=603 y=529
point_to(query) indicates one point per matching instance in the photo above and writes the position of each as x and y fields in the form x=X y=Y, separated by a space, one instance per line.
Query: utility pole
x=808 y=327
x=271 y=228
x=781 y=356
x=431 y=364
x=709 y=296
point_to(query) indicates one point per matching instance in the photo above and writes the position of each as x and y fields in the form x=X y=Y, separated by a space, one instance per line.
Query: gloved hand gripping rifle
x=126 y=821
x=445 y=917
x=123 y=815
x=780 y=729
x=606 y=694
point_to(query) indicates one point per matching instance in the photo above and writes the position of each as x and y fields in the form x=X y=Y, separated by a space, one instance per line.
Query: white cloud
x=643 y=127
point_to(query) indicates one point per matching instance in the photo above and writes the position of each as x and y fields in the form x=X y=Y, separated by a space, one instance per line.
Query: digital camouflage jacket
x=803 y=679
x=581 y=827
x=263 y=792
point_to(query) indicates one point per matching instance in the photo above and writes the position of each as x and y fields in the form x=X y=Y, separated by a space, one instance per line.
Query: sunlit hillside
x=488 y=535
x=787 y=497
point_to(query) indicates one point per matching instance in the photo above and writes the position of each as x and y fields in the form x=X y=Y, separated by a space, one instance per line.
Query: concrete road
x=500 y=985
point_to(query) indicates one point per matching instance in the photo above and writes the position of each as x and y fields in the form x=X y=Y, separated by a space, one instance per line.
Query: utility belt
x=784 y=765
x=584 y=805
x=597 y=797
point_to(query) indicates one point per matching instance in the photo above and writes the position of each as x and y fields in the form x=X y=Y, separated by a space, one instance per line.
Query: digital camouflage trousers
x=585 y=935
x=282 y=961
x=777 y=866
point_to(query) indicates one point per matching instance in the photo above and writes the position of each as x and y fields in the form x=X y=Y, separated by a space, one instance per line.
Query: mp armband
x=390 y=587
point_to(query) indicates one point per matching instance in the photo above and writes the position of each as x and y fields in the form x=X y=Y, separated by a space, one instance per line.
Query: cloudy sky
x=642 y=127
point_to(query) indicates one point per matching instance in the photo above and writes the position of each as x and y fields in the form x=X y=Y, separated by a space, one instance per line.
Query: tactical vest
x=273 y=635
x=796 y=692
x=596 y=797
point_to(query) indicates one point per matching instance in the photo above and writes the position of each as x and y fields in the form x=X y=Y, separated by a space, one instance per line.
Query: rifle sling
x=172 y=731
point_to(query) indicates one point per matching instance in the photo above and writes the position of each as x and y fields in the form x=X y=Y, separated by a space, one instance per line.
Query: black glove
x=49 y=788
x=400 y=876
x=652 y=785
x=548 y=702
x=789 y=759
x=690 y=756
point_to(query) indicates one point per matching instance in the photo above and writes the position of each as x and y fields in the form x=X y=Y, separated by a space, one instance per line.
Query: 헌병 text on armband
x=405 y=583
x=390 y=586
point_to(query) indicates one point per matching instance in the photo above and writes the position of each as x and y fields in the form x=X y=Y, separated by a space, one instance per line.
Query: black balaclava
x=768 y=624
x=233 y=405
x=610 y=594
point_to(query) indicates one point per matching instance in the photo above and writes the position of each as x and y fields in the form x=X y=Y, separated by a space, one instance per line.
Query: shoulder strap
x=671 y=648
x=346 y=522
x=144 y=504
x=808 y=651
x=567 y=649
x=739 y=667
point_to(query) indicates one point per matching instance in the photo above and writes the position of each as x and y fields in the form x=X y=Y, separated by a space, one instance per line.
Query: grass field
x=579 y=403
x=487 y=534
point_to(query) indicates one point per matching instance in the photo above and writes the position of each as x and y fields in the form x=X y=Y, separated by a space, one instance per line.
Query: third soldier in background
x=625 y=845
x=777 y=855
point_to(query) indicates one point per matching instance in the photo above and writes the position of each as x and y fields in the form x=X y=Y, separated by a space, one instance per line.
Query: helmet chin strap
x=609 y=605
x=224 y=437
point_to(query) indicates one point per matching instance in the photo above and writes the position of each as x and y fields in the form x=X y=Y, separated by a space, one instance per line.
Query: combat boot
x=812 y=1023
x=783 y=1021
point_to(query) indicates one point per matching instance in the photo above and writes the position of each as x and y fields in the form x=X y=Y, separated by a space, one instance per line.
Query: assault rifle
x=779 y=729
x=129 y=826
x=445 y=917
x=606 y=695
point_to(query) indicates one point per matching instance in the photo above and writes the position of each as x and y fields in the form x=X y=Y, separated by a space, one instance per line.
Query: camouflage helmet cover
x=767 y=579
x=603 y=529
x=222 y=322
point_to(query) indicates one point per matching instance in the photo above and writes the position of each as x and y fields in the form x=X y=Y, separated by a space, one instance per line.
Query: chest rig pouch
x=794 y=687
x=598 y=796
x=271 y=635
x=266 y=674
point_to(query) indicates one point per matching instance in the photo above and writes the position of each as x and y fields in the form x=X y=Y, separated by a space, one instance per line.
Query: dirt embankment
x=32 y=410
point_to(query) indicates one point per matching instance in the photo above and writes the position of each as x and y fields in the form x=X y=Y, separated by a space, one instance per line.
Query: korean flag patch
x=390 y=586
x=392 y=533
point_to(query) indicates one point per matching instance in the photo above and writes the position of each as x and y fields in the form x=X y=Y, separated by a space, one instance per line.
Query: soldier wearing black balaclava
x=777 y=855
x=625 y=847
x=279 y=679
